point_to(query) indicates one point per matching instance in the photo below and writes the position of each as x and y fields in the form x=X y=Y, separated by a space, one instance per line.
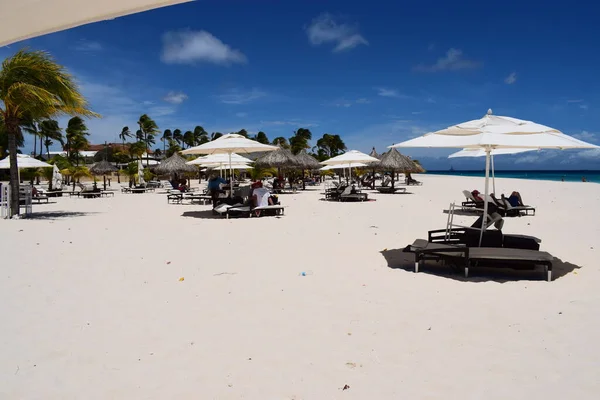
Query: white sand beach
x=93 y=307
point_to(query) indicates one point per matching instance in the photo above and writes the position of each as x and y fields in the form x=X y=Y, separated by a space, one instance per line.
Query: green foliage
x=77 y=141
x=148 y=175
x=178 y=137
x=281 y=142
x=300 y=140
x=215 y=135
x=330 y=146
x=258 y=173
x=261 y=137
x=137 y=149
x=243 y=132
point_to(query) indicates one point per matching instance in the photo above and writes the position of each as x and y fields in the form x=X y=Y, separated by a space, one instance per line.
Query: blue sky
x=374 y=72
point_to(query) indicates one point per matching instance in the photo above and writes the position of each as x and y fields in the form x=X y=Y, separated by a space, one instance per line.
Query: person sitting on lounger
x=514 y=199
x=261 y=197
x=475 y=193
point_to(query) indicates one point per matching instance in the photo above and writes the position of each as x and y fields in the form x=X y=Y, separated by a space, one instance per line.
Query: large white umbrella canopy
x=24 y=161
x=233 y=166
x=481 y=152
x=350 y=157
x=24 y=19
x=352 y=165
x=229 y=144
x=494 y=132
x=475 y=152
x=219 y=159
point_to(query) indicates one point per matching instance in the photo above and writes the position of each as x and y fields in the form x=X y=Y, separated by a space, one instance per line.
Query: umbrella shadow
x=204 y=214
x=398 y=259
x=58 y=214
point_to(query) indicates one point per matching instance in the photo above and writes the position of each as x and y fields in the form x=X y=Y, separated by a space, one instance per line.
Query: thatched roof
x=102 y=168
x=281 y=158
x=394 y=161
x=175 y=164
x=306 y=161
x=373 y=153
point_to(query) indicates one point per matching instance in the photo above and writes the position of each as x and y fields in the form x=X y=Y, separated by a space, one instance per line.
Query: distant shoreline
x=592 y=176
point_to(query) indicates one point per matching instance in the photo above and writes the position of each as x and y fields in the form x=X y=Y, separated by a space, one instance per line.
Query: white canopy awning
x=24 y=161
x=481 y=152
x=351 y=165
x=24 y=19
x=352 y=156
x=220 y=159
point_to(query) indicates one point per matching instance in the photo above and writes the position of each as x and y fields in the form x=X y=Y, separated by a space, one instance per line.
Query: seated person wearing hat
x=261 y=197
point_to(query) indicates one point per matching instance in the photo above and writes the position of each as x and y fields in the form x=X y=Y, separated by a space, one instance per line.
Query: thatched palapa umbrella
x=374 y=153
x=306 y=162
x=280 y=158
x=396 y=162
x=102 y=168
x=174 y=165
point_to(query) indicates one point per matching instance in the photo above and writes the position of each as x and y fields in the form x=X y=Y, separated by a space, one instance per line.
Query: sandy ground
x=93 y=307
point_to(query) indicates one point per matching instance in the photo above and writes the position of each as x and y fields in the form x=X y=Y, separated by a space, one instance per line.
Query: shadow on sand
x=58 y=214
x=468 y=213
x=204 y=214
x=397 y=259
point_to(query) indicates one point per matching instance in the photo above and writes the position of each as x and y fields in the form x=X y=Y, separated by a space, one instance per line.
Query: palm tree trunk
x=14 y=169
x=41 y=144
x=35 y=146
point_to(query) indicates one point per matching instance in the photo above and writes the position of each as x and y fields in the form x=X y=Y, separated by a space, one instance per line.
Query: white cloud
x=189 y=47
x=324 y=29
x=363 y=100
x=87 y=46
x=241 y=114
x=237 y=96
x=585 y=136
x=293 y=122
x=590 y=154
x=584 y=106
x=575 y=101
x=510 y=79
x=387 y=92
x=175 y=97
x=452 y=61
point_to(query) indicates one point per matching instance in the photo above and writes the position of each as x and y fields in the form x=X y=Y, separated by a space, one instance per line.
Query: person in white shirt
x=261 y=197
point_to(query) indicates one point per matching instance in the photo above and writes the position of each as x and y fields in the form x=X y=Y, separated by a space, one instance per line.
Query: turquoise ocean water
x=567 y=176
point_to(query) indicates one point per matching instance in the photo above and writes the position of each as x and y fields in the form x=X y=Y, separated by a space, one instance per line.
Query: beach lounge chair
x=390 y=190
x=470 y=201
x=514 y=211
x=469 y=257
x=174 y=196
x=334 y=193
x=351 y=193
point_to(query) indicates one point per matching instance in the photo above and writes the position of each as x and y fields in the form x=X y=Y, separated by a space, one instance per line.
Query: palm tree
x=281 y=142
x=77 y=133
x=177 y=136
x=50 y=131
x=167 y=135
x=149 y=130
x=200 y=136
x=215 y=135
x=188 y=138
x=299 y=141
x=125 y=133
x=137 y=149
x=34 y=86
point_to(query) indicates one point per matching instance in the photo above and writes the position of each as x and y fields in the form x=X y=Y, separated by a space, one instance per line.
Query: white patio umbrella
x=350 y=157
x=141 y=179
x=233 y=166
x=495 y=132
x=24 y=19
x=481 y=153
x=57 y=177
x=24 y=161
x=352 y=165
x=230 y=144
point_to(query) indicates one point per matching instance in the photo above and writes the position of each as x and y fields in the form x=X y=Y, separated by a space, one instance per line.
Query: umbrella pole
x=493 y=175
x=230 y=178
x=104 y=176
x=487 y=190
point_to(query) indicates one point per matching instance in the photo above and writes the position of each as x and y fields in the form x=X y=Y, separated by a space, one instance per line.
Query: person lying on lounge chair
x=476 y=195
x=515 y=199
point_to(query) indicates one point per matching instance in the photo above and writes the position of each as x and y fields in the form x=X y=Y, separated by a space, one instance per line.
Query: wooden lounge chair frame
x=470 y=257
